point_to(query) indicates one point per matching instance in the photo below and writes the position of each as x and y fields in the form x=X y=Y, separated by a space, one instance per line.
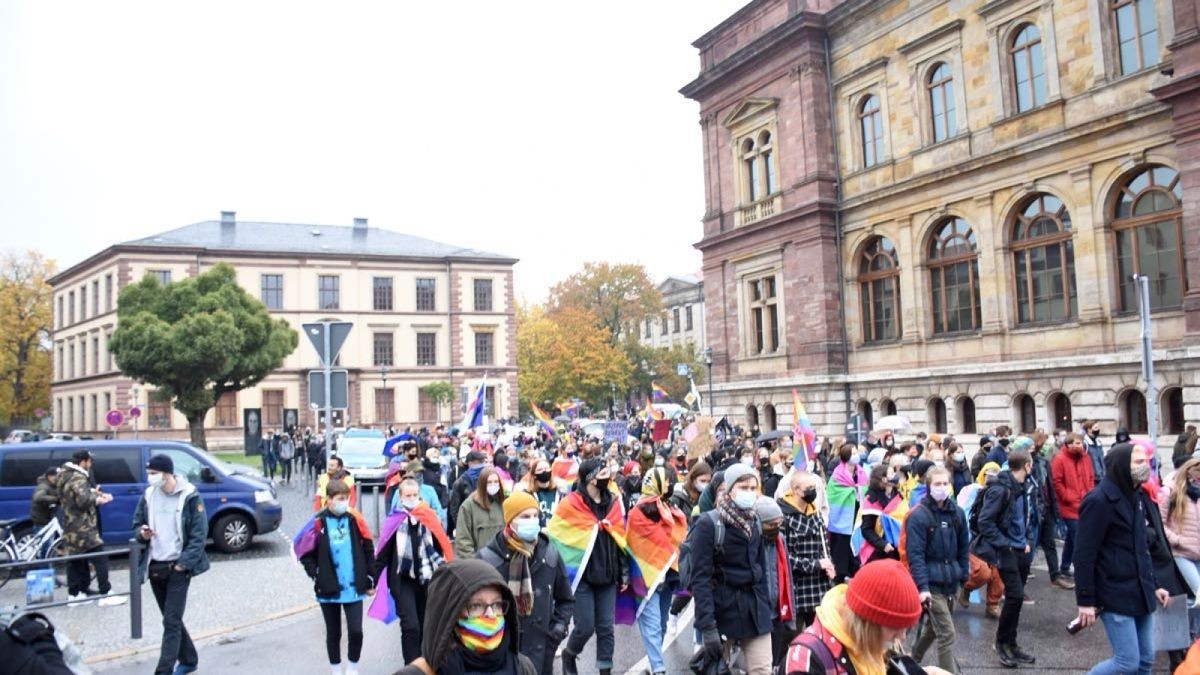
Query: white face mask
x=154 y=479
x=493 y=489
x=410 y=504
x=960 y=456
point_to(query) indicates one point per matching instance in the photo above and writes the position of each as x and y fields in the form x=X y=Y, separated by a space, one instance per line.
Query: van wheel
x=232 y=533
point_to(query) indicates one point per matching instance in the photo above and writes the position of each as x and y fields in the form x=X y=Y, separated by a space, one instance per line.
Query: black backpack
x=685 y=549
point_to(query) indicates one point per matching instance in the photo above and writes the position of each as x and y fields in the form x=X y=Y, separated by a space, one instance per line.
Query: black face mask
x=771 y=532
x=602 y=484
x=764 y=462
x=809 y=495
x=544 y=477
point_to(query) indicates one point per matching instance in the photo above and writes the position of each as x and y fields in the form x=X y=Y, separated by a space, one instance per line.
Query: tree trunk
x=196 y=429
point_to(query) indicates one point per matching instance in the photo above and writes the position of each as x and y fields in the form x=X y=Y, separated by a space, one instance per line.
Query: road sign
x=114 y=418
x=135 y=412
x=683 y=370
x=338 y=387
x=338 y=331
x=39 y=413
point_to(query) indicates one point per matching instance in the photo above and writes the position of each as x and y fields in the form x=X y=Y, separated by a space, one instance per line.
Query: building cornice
x=935 y=34
x=763 y=45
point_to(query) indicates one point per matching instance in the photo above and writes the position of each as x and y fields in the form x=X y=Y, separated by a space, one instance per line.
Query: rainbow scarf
x=653 y=546
x=306 y=539
x=383 y=606
x=889 y=525
x=844 y=493
x=481 y=634
x=574 y=531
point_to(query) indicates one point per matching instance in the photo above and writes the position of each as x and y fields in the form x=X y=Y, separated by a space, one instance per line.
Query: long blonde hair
x=1179 y=497
x=867 y=638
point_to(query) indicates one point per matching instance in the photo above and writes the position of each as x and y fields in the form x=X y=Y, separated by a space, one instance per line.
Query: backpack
x=685 y=549
x=977 y=508
x=958 y=528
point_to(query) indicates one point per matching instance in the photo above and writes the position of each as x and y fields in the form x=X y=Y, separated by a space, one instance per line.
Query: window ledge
x=1019 y=329
x=777 y=354
x=1117 y=80
x=879 y=344
x=956 y=335
x=868 y=169
x=1057 y=102
x=961 y=135
x=1134 y=315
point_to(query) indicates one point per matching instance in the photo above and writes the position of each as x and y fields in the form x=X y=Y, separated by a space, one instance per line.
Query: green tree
x=25 y=299
x=617 y=295
x=197 y=339
x=441 y=393
x=565 y=354
x=660 y=366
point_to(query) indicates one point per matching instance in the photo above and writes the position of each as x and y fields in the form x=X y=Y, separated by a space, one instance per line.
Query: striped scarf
x=732 y=515
x=430 y=558
x=520 y=580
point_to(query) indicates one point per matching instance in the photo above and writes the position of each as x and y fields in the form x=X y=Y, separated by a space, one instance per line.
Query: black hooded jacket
x=453 y=585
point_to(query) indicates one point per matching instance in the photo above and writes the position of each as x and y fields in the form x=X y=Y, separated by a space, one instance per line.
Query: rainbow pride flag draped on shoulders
x=845 y=491
x=383 y=606
x=654 y=548
x=574 y=530
x=889 y=526
x=306 y=539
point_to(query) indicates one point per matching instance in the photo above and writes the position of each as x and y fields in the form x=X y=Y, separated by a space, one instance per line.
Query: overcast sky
x=547 y=130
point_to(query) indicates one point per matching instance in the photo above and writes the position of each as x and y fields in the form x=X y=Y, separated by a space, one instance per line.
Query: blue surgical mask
x=527 y=528
x=745 y=499
x=339 y=508
x=410 y=504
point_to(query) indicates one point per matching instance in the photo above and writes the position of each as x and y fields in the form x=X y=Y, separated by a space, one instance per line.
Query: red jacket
x=1073 y=478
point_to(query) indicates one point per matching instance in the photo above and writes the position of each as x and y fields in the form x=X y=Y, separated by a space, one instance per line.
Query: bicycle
x=29 y=547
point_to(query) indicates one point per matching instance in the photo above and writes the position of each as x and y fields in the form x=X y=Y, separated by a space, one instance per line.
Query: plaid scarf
x=430 y=558
x=520 y=580
x=732 y=515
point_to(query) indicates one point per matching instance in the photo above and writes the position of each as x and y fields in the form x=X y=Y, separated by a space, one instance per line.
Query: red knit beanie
x=883 y=593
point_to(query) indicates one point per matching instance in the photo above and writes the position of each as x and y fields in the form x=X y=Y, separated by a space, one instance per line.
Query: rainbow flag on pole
x=803 y=433
x=542 y=418
x=652 y=413
x=660 y=394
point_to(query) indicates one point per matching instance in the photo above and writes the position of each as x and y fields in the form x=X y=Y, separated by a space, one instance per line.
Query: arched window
x=1133 y=412
x=937 y=415
x=1026 y=413
x=879 y=287
x=954 y=277
x=768 y=417
x=1148 y=226
x=1172 y=411
x=768 y=152
x=1044 y=261
x=1028 y=68
x=1136 y=33
x=887 y=406
x=1059 y=407
x=864 y=411
x=870 y=122
x=751 y=416
x=966 y=415
x=750 y=165
x=941 y=102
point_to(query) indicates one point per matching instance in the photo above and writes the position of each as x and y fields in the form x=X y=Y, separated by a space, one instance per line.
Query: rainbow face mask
x=481 y=634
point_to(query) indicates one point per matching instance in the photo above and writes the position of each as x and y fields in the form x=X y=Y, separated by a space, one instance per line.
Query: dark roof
x=246 y=236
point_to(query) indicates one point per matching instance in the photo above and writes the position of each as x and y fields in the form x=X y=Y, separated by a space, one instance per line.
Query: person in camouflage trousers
x=79 y=502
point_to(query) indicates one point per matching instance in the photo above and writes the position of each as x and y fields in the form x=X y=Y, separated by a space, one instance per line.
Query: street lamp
x=612 y=402
x=383 y=371
x=134 y=391
x=708 y=362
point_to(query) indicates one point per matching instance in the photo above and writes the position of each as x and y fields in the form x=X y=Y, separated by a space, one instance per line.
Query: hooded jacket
x=81 y=521
x=45 y=499
x=453 y=585
x=190 y=520
x=1072 y=474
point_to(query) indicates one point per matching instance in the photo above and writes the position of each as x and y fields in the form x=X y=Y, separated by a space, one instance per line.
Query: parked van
x=239 y=504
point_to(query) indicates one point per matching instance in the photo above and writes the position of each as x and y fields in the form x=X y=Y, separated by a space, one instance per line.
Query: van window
x=21 y=469
x=117 y=465
x=186 y=464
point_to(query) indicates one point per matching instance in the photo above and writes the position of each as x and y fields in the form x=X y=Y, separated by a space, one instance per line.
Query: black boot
x=1006 y=658
x=568 y=660
x=606 y=671
x=1020 y=655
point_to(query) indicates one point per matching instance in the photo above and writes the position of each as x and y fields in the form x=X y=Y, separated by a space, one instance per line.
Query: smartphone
x=903 y=664
x=1075 y=626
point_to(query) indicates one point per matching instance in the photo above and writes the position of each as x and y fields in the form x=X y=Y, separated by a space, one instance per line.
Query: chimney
x=228 y=217
x=360 y=224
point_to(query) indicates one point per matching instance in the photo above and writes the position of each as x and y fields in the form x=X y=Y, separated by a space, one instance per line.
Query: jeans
x=941 y=628
x=285 y=469
x=1014 y=570
x=1190 y=571
x=171 y=596
x=1045 y=539
x=651 y=625
x=1132 y=640
x=594 y=610
x=410 y=605
x=79 y=578
x=1068 y=545
x=331 y=612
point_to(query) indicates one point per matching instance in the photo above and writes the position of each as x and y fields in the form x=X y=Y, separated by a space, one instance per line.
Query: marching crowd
x=796 y=561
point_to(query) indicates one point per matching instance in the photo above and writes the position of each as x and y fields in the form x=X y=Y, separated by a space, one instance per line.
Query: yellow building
x=421 y=312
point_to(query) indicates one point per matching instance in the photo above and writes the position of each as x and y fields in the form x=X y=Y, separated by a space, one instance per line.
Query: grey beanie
x=737 y=472
x=767 y=509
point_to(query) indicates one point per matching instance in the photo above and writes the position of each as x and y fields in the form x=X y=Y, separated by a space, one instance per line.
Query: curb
x=198 y=637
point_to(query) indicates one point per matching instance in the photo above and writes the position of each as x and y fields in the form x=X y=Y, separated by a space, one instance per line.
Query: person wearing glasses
x=474 y=628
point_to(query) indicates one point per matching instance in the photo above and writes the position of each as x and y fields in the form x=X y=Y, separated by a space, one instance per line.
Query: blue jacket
x=1095 y=450
x=998 y=519
x=193 y=526
x=936 y=546
x=1113 y=569
x=731 y=588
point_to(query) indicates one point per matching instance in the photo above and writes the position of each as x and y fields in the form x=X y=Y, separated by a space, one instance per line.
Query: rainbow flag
x=306 y=539
x=542 y=418
x=574 y=531
x=803 y=433
x=660 y=393
x=565 y=469
x=889 y=525
x=570 y=407
x=383 y=606
x=652 y=413
x=654 y=548
x=844 y=492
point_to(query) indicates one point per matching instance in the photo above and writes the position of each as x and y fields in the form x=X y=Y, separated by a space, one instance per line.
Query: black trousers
x=1014 y=570
x=285 y=468
x=170 y=592
x=410 y=605
x=845 y=563
x=1046 y=532
x=332 y=613
x=79 y=578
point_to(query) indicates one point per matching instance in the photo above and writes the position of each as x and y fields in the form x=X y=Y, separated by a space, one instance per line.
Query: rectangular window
x=687 y=316
x=227 y=410
x=272 y=408
x=328 y=291
x=382 y=293
x=107 y=403
x=118 y=466
x=163 y=277
x=158 y=412
x=483 y=349
x=96 y=296
x=426 y=409
x=426 y=349
x=426 y=295
x=764 y=315
x=70 y=421
x=71 y=360
x=271 y=290
x=108 y=356
x=664 y=326
x=95 y=412
x=385 y=405
x=83 y=357
x=83 y=302
x=61 y=323
x=61 y=370
x=95 y=355
x=108 y=292
x=71 y=307
x=1137 y=34
x=483 y=295
x=383 y=349
x=675 y=317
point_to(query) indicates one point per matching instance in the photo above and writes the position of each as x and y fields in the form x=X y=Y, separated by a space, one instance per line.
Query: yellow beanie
x=516 y=503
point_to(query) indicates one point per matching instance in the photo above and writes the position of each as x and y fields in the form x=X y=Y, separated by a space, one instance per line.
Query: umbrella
x=893 y=423
x=772 y=435
x=394 y=441
x=562 y=418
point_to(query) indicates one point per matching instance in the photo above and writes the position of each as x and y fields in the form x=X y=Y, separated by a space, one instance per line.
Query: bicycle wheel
x=8 y=554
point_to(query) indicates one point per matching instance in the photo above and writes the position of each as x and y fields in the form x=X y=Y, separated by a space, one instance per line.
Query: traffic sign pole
x=328 y=363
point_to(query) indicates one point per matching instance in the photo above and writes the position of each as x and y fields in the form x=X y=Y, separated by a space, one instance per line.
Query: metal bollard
x=135 y=591
x=378 y=510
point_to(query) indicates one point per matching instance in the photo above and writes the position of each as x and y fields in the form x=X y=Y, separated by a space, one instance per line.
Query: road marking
x=685 y=620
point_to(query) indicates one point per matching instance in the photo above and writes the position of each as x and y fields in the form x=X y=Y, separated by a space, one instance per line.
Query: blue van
x=239 y=503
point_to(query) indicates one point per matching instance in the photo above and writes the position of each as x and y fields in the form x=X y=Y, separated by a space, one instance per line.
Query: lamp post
x=612 y=402
x=708 y=362
x=134 y=391
x=383 y=371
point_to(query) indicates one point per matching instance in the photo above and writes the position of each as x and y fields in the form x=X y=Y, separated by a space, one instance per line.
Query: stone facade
x=914 y=257
x=682 y=320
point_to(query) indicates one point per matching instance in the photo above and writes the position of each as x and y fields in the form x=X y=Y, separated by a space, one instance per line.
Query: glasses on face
x=477 y=609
